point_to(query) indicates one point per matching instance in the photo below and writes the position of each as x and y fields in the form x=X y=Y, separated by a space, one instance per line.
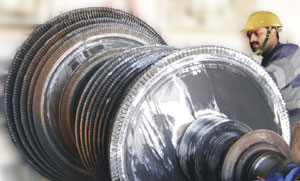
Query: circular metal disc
x=203 y=146
x=59 y=68
x=56 y=43
x=22 y=129
x=101 y=97
x=173 y=93
x=72 y=92
x=252 y=142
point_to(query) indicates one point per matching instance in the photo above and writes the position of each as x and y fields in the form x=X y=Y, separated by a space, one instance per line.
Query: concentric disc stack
x=96 y=93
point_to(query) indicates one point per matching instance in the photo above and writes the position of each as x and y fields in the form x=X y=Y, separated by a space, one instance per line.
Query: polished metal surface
x=96 y=93
x=173 y=93
x=42 y=66
x=265 y=163
x=204 y=145
x=100 y=100
x=72 y=90
x=253 y=143
x=58 y=69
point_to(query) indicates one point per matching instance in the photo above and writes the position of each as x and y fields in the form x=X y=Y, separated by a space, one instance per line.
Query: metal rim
x=102 y=95
x=23 y=138
x=266 y=139
x=165 y=66
x=40 y=96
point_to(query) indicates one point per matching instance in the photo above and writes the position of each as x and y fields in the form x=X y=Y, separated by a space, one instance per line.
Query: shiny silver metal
x=128 y=122
x=173 y=93
x=204 y=145
x=264 y=164
x=57 y=70
x=270 y=148
x=32 y=117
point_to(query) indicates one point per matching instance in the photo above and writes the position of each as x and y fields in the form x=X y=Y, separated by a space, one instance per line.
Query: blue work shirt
x=283 y=64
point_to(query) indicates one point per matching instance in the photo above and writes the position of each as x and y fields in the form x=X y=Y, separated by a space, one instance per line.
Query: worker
x=282 y=61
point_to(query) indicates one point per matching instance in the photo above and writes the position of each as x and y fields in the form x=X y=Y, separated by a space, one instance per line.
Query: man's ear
x=273 y=32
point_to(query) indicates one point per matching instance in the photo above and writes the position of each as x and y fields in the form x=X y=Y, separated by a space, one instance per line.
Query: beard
x=254 y=46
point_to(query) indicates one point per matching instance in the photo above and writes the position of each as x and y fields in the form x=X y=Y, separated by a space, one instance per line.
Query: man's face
x=256 y=38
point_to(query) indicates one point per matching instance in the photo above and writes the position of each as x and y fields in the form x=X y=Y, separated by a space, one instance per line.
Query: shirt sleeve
x=285 y=70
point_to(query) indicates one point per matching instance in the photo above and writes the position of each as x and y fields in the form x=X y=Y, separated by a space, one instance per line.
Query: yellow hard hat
x=262 y=19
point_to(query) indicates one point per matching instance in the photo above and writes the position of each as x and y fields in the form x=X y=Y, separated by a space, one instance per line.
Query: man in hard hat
x=282 y=61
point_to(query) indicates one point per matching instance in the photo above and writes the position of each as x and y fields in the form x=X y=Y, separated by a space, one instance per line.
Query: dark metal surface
x=72 y=92
x=173 y=93
x=59 y=68
x=263 y=164
x=96 y=93
x=242 y=151
x=205 y=143
x=34 y=137
x=101 y=98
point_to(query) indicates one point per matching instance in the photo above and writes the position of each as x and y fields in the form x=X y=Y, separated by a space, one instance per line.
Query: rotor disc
x=100 y=99
x=72 y=91
x=58 y=69
x=173 y=93
x=89 y=96
x=253 y=142
x=19 y=97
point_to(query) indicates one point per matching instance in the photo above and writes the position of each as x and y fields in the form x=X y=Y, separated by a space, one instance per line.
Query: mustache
x=253 y=43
